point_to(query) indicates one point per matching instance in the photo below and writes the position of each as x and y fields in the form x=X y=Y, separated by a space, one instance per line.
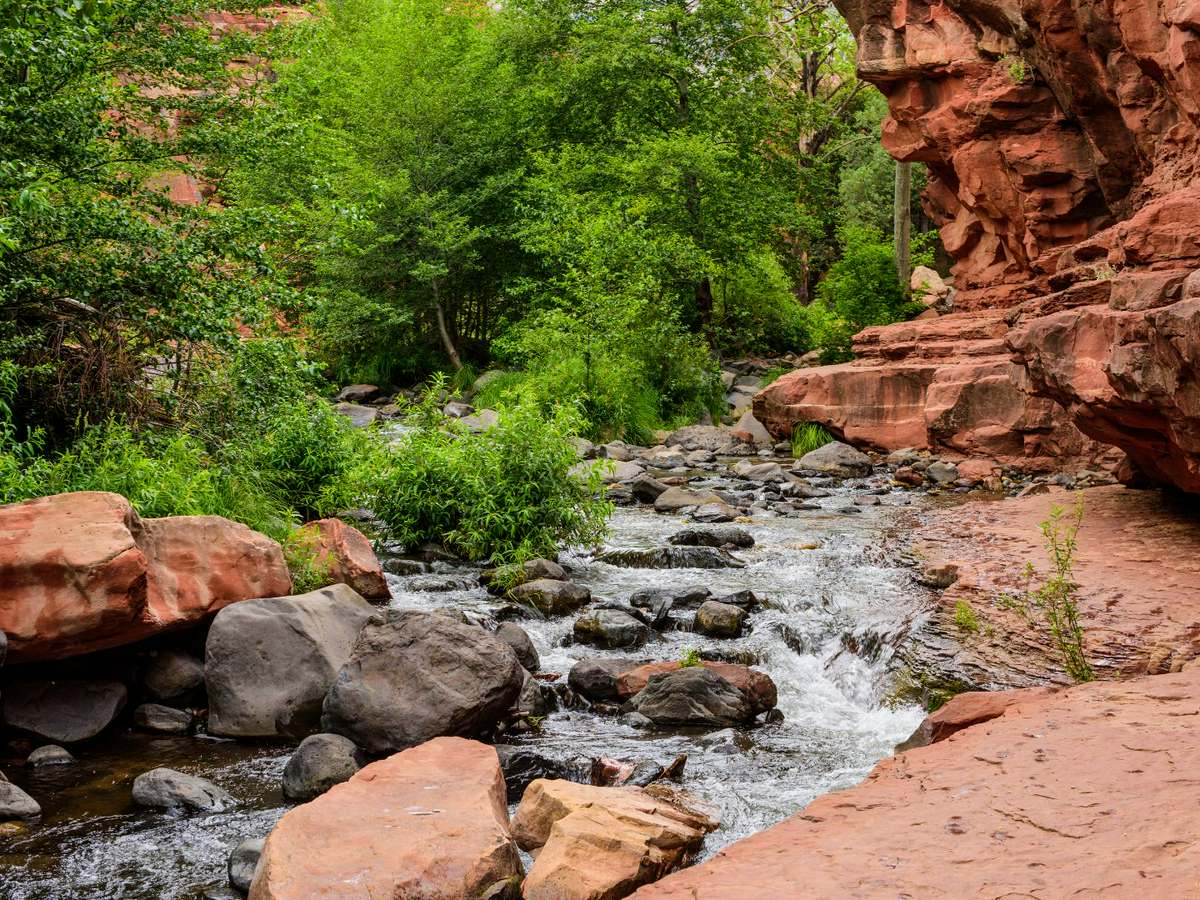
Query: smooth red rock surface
x=1088 y=792
x=1063 y=147
x=429 y=823
x=83 y=572
x=1137 y=567
x=346 y=556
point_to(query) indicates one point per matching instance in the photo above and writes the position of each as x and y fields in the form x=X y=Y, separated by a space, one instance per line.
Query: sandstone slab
x=431 y=822
x=346 y=557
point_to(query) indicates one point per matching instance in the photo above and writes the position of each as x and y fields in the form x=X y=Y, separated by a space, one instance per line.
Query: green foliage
x=690 y=659
x=965 y=617
x=1056 y=600
x=104 y=278
x=1017 y=70
x=860 y=289
x=506 y=494
x=807 y=437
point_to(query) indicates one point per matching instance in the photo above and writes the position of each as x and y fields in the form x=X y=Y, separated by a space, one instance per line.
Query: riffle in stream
x=836 y=607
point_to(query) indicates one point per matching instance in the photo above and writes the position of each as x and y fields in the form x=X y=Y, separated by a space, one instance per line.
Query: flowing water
x=836 y=607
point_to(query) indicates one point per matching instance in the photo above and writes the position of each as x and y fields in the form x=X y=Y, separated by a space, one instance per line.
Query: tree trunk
x=444 y=332
x=704 y=306
x=903 y=222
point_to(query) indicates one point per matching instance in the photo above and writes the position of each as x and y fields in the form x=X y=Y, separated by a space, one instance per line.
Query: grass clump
x=690 y=659
x=1056 y=601
x=809 y=436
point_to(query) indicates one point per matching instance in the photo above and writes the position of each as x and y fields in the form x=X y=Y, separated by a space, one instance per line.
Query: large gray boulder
x=692 y=697
x=517 y=638
x=63 y=711
x=836 y=458
x=172 y=675
x=270 y=662
x=320 y=762
x=168 y=789
x=419 y=676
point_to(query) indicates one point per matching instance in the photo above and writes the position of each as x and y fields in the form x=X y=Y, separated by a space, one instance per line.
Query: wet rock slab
x=1081 y=792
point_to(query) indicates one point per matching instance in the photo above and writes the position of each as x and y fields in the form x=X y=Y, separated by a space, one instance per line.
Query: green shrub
x=690 y=659
x=505 y=494
x=807 y=437
x=302 y=553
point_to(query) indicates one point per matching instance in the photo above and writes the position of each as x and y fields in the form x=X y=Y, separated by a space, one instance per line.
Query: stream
x=836 y=606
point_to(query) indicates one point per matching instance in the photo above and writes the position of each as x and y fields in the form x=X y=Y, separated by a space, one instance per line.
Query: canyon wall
x=1062 y=139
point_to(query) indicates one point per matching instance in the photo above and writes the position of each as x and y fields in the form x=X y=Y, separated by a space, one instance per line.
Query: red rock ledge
x=1090 y=791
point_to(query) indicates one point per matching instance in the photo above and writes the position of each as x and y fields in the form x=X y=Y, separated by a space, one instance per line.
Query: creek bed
x=836 y=608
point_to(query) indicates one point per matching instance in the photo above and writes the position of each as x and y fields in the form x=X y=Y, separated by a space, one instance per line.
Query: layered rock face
x=1063 y=144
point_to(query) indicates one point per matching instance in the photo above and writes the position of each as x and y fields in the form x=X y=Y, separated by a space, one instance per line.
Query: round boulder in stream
x=419 y=676
x=692 y=697
x=63 y=711
x=717 y=619
x=517 y=638
x=672 y=558
x=611 y=628
x=168 y=789
x=551 y=597
x=320 y=762
x=719 y=536
x=597 y=679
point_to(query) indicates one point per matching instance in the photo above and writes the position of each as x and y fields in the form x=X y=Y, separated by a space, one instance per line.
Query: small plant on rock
x=302 y=553
x=965 y=617
x=1017 y=70
x=690 y=659
x=1057 y=601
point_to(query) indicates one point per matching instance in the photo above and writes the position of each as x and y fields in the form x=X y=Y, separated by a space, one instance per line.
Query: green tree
x=114 y=292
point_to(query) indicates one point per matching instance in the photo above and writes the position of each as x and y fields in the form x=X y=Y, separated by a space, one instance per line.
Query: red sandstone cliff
x=1063 y=144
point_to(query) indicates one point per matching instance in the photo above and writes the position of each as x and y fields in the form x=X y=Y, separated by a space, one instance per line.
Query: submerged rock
x=243 y=860
x=418 y=676
x=168 y=789
x=270 y=662
x=49 y=755
x=429 y=822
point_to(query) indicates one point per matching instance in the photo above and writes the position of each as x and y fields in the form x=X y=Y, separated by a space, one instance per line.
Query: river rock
x=714 y=512
x=838 y=459
x=517 y=638
x=358 y=393
x=721 y=620
x=162 y=719
x=345 y=556
x=173 y=675
x=677 y=498
x=15 y=803
x=63 y=711
x=168 y=789
x=536 y=700
x=430 y=823
x=752 y=431
x=482 y=420
x=757 y=687
x=712 y=438
x=524 y=765
x=765 y=472
x=646 y=489
x=49 y=755
x=418 y=676
x=597 y=679
x=83 y=572
x=530 y=570
x=942 y=472
x=243 y=860
x=358 y=415
x=594 y=843
x=550 y=597
x=611 y=472
x=610 y=628
x=687 y=597
x=747 y=600
x=692 y=697
x=729 y=536
x=320 y=762
x=270 y=662
x=671 y=558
